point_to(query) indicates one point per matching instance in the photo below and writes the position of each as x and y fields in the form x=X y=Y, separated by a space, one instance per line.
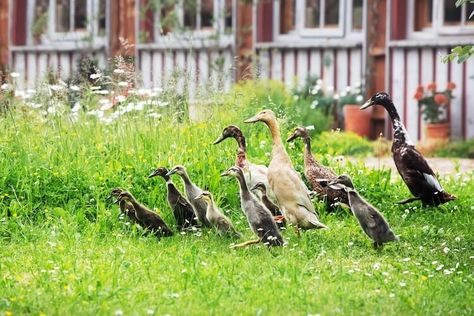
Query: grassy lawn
x=63 y=249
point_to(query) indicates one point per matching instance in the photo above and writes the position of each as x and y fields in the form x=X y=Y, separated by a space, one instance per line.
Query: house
x=391 y=45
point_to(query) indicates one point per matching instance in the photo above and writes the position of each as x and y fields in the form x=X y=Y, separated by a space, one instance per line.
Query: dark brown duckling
x=370 y=219
x=412 y=167
x=182 y=210
x=147 y=219
x=314 y=170
x=126 y=208
x=272 y=207
x=258 y=216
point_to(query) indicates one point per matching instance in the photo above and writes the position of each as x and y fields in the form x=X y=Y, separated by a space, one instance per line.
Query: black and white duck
x=258 y=216
x=214 y=215
x=314 y=170
x=126 y=208
x=370 y=219
x=412 y=167
x=192 y=192
x=146 y=218
x=182 y=210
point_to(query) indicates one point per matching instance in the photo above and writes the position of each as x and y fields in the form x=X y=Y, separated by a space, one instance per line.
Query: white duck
x=290 y=191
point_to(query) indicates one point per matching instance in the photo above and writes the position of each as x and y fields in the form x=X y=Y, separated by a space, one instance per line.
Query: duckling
x=192 y=192
x=412 y=167
x=290 y=191
x=370 y=219
x=214 y=216
x=314 y=170
x=126 y=208
x=182 y=210
x=146 y=218
x=273 y=208
x=253 y=173
x=258 y=216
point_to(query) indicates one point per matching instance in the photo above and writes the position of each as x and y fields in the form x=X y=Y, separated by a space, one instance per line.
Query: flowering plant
x=433 y=103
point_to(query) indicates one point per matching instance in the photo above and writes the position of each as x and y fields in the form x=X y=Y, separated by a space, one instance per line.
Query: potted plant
x=432 y=104
x=355 y=120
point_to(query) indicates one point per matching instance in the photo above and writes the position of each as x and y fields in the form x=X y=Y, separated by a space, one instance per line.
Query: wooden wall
x=411 y=66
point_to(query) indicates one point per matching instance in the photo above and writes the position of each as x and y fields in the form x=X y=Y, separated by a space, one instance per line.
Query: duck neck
x=210 y=206
x=186 y=179
x=167 y=178
x=240 y=138
x=243 y=184
x=307 y=145
x=275 y=131
x=241 y=159
x=400 y=134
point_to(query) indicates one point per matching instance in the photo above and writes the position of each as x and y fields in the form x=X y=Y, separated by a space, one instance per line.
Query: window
x=431 y=17
x=287 y=16
x=71 y=16
x=357 y=14
x=228 y=17
x=322 y=14
x=198 y=14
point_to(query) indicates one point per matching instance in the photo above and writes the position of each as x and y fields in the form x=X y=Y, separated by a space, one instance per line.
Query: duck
x=215 y=216
x=272 y=207
x=370 y=219
x=314 y=171
x=253 y=173
x=126 y=208
x=146 y=218
x=411 y=165
x=192 y=192
x=260 y=219
x=182 y=210
x=290 y=191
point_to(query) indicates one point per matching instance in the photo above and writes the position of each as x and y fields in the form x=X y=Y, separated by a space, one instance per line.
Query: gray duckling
x=182 y=210
x=147 y=219
x=272 y=207
x=258 y=216
x=370 y=219
x=192 y=192
x=314 y=170
x=214 y=216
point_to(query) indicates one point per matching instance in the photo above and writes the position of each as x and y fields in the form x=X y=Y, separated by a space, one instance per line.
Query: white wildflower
x=376 y=266
x=154 y=115
x=403 y=284
x=95 y=76
x=4 y=86
x=150 y=311
x=120 y=98
x=76 y=108
x=359 y=98
x=310 y=127
x=119 y=71
x=35 y=105
x=457 y=238
x=75 y=88
x=118 y=312
x=14 y=75
x=122 y=84
x=56 y=87
x=446 y=250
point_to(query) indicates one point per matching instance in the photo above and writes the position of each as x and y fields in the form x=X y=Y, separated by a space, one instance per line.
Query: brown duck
x=314 y=171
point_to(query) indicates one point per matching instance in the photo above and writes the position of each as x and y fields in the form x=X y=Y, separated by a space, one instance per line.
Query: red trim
x=264 y=21
x=390 y=87
x=321 y=66
x=399 y=19
x=270 y=63
x=295 y=57
x=420 y=66
x=405 y=105
x=19 y=21
x=283 y=65
x=448 y=112
x=334 y=52
x=146 y=24
x=349 y=57
x=464 y=101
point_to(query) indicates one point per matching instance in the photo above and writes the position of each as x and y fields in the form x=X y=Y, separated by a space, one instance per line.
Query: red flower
x=451 y=86
x=418 y=95
x=440 y=99
x=420 y=89
x=431 y=86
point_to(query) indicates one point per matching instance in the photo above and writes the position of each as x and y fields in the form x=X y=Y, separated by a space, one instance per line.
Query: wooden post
x=122 y=26
x=4 y=39
x=244 y=39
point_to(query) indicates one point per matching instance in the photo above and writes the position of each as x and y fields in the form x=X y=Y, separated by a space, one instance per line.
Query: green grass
x=63 y=249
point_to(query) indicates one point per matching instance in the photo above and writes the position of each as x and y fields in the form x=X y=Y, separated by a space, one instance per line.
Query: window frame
x=438 y=28
x=92 y=28
x=218 y=24
x=300 y=32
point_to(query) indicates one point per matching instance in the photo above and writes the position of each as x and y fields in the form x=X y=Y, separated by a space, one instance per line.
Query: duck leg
x=297 y=231
x=245 y=244
x=279 y=218
x=409 y=200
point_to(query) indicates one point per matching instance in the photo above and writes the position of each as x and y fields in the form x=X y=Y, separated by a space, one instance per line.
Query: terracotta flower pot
x=437 y=130
x=356 y=120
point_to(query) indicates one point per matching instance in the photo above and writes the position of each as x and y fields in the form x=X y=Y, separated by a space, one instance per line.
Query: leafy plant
x=432 y=102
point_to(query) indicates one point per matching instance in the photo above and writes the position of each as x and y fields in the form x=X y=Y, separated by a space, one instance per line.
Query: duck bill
x=153 y=174
x=292 y=138
x=217 y=141
x=253 y=119
x=337 y=186
x=225 y=174
x=198 y=197
x=366 y=104
x=323 y=182
x=172 y=172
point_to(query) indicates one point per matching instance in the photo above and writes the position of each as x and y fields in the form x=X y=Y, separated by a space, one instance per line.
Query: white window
x=428 y=18
x=199 y=18
x=59 y=20
x=317 y=18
